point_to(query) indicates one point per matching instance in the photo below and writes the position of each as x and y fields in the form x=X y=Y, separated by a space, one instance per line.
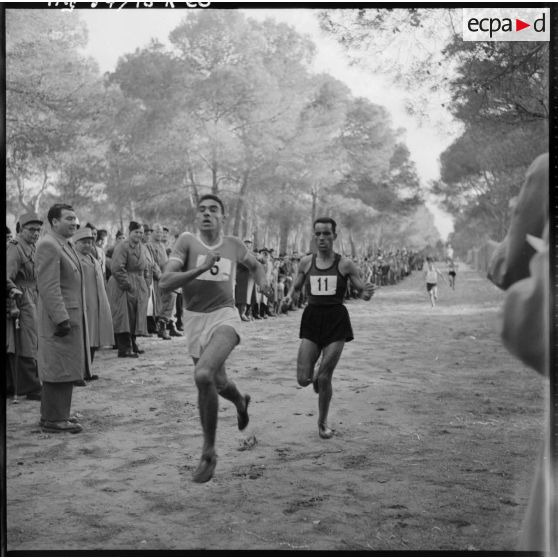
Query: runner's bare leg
x=308 y=354
x=213 y=358
x=227 y=389
x=330 y=358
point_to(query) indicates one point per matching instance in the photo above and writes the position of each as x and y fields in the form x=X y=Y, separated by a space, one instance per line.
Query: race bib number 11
x=323 y=285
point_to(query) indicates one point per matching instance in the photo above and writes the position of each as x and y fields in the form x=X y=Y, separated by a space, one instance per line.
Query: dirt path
x=437 y=431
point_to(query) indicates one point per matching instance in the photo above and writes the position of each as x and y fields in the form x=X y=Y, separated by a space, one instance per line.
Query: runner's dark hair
x=326 y=220
x=214 y=198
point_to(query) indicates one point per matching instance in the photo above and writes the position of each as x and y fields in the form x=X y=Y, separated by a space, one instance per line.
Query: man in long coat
x=244 y=287
x=97 y=251
x=128 y=292
x=152 y=278
x=21 y=276
x=166 y=301
x=99 y=318
x=63 y=356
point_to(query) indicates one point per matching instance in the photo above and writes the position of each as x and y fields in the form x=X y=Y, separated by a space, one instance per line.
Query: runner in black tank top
x=325 y=324
x=327 y=286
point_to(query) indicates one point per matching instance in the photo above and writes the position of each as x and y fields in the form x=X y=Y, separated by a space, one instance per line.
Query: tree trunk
x=214 y=180
x=244 y=222
x=314 y=204
x=265 y=235
x=239 y=210
x=194 y=188
x=352 y=243
x=256 y=232
x=284 y=228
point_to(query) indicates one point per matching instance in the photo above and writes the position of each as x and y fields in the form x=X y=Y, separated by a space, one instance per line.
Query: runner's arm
x=257 y=270
x=348 y=268
x=173 y=278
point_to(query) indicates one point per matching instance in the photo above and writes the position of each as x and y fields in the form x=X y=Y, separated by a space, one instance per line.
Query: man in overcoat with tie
x=63 y=356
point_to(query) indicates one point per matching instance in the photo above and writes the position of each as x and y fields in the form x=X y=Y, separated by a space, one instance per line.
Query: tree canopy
x=232 y=107
x=496 y=91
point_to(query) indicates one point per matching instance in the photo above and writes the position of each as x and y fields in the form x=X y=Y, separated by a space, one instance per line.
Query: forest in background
x=233 y=108
x=497 y=91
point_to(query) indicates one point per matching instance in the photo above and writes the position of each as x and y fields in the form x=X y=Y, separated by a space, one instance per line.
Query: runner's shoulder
x=182 y=246
x=305 y=263
x=185 y=239
x=234 y=240
x=186 y=236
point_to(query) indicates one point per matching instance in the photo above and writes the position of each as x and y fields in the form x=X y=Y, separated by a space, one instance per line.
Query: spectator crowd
x=123 y=301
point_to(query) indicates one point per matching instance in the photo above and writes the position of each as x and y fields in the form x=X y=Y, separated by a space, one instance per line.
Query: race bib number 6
x=323 y=285
x=221 y=271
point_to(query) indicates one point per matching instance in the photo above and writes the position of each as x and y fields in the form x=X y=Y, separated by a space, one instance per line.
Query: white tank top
x=213 y=289
x=431 y=276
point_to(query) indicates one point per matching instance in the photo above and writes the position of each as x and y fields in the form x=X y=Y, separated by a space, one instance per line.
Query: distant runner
x=452 y=272
x=431 y=275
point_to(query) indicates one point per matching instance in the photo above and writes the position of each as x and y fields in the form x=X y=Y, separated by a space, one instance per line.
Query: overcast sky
x=113 y=33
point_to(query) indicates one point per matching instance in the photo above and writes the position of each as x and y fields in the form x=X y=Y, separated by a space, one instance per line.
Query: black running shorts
x=325 y=324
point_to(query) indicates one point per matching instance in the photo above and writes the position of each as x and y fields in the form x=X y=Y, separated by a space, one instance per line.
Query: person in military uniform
x=152 y=277
x=166 y=301
x=22 y=281
x=99 y=318
x=128 y=292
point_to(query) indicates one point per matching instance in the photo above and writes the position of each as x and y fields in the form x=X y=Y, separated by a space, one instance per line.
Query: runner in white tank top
x=204 y=266
x=431 y=274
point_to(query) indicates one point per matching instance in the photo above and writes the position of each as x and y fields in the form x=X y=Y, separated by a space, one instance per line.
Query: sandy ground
x=437 y=432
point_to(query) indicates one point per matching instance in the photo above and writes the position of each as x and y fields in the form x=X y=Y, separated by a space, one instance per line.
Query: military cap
x=27 y=218
x=82 y=234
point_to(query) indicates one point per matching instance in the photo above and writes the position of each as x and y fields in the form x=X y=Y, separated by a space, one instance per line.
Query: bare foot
x=242 y=417
x=205 y=469
x=324 y=431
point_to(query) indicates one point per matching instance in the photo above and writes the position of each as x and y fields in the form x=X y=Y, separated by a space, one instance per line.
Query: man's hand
x=210 y=260
x=368 y=291
x=267 y=290
x=63 y=328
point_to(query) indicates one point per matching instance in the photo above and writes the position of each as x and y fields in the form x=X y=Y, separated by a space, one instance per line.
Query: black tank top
x=326 y=286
